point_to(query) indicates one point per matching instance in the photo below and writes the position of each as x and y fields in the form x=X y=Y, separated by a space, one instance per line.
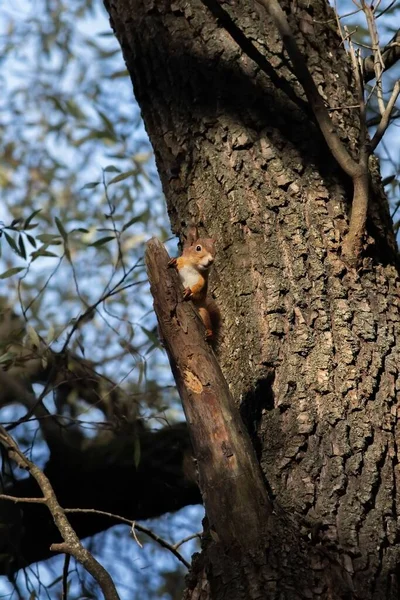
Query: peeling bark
x=310 y=347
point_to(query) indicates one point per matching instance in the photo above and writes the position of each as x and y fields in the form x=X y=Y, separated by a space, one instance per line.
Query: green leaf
x=11 y=243
x=132 y=221
x=74 y=109
x=31 y=240
x=95 y=135
x=42 y=251
x=21 y=246
x=123 y=176
x=11 y=272
x=14 y=223
x=31 y=216
x=61 y=229
x=106 y=121
x=151 y=335
x=102 y=241
x=49 y=238
x=91 y=185
x=117 y=74
x=112 y=169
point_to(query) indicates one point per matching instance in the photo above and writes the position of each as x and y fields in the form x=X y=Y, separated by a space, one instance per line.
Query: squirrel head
x=200 y=254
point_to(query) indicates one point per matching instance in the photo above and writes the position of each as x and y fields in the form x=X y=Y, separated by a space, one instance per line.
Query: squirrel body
x=193 y=267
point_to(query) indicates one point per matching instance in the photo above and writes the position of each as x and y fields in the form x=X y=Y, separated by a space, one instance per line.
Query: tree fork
x=230 y=478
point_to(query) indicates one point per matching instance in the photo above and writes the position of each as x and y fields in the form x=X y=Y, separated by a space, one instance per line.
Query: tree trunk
x=310 y=347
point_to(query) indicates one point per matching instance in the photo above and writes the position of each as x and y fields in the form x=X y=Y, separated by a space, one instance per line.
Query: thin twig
x=391 y=52
x=379 y=66
x=22 y=499
x=134 y=525
x=385 y=120
x=67 y=560
x=71 y=544
x=344 y=107
x=187 y=539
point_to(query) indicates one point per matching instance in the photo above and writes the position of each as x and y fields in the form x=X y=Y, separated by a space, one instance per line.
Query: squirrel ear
x=191 y=236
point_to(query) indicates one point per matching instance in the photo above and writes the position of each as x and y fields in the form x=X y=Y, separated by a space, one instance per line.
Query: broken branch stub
x=230 y=478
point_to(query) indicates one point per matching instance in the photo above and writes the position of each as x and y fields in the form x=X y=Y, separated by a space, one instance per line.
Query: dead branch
x=71 y=544
x=230 y=479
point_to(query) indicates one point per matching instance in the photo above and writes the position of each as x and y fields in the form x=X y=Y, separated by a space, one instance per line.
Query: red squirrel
x=193 y=267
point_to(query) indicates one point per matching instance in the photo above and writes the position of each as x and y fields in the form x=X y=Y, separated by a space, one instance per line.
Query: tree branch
x=385 y=120
x=358 y=171
x=302 y=73
x=230 y=479
x=71 y=544
x=163 y=543
x=379 y=65
x=390 y=55
x=103 y=478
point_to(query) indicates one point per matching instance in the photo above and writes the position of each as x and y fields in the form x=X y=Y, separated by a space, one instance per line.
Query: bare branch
x=18 y=499
x=357 y=171
x=171 y=547
x=302 y=73
x=187 y=539
x=385 y=120
x=390 y=55
x=379 y=65
x=13 y=390
x=71 y=544
x=377 y=119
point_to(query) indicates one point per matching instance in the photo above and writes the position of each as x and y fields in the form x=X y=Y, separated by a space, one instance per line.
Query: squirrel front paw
x=209 y=336
x=172 y=262
x=187 y=294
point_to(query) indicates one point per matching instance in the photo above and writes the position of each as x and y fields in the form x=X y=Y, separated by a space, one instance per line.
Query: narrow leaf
x=11 y=243
x=112 y=169
x=21 y=246
x=61 y=229
x=31 y=216
x=91 y=185
x=11 y=272
x=123 y=176
x=102 y=241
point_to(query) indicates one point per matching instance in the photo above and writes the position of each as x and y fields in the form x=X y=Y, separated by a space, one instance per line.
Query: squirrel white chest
x=189 y=276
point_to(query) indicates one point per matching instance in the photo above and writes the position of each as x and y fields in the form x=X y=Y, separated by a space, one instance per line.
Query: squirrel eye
x=198 y=248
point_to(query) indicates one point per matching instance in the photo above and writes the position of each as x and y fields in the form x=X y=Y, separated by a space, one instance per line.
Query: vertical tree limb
x=230 y=479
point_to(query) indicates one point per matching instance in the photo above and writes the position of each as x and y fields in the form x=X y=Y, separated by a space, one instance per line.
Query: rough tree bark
x=310 y=347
